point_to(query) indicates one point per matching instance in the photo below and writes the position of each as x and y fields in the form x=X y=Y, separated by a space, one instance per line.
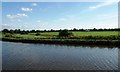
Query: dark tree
x=38 y=31
x=65 y=33
x=74 y=29
x=45 y=30
x=24 y=32
x=37 y=34
x=11 y=31
x=94 y=29
x=51 y=30
x=5 y=30
x=33 y=31
x=81 y=30
x=17 y=31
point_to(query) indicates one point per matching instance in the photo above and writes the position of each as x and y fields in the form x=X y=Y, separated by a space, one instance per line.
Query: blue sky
x=59 y=15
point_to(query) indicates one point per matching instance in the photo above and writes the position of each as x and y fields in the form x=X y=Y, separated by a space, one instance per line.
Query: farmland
x=79 y=37
x=75 y=33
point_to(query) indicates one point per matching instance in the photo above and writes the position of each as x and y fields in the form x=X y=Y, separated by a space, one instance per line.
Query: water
x=0 y=55
x=24 y=56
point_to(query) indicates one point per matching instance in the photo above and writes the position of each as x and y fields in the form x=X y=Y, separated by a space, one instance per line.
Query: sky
x=59 y=15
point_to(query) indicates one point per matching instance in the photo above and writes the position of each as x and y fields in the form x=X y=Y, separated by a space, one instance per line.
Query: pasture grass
x=96 y=33
x=54 y=35
x=86 y=38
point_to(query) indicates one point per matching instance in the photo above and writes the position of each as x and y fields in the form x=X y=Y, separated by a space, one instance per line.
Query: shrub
x=65 y=33
x=8 y=35
x=37 y=34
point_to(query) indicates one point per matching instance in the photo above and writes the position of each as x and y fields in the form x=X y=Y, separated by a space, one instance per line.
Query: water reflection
x=0 y=55
x=23 y=56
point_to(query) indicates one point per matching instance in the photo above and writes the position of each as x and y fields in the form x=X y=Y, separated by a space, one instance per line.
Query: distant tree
x=24 y=32
x=11 y=31
x=32 y=31
x=52 y=30
x=5 y=31
x=74 y=29
x=27 y=31
x=81 y=30
x=37 y=30
x=45 y=30
x=100 y=29
x=17 y=31
x=65 y=33
x=94 y=29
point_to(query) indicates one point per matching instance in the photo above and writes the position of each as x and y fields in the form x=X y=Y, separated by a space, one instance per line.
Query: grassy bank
x=114 y=43
x=108 y=38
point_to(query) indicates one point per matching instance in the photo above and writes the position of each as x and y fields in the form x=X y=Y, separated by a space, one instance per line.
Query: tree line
x=33 y=31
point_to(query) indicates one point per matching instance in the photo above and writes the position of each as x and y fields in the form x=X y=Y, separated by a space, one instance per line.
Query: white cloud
x=92 y=7
x=34 y=4
x=22 y=15
x=26 y=9
x=9 y=16
x=16 y=16
x=110 y=2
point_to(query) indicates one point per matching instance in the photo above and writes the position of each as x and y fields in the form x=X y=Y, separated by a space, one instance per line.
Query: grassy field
x=93 y=33
x=98 y=33
x=55 y=34
x=0 y=34
x=109 y=38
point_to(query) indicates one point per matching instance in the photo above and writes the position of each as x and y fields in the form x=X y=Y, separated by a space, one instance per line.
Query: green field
x=0 y=34
x=109 y=38
x=104 y=33
x=93 y=33
x=52 y=35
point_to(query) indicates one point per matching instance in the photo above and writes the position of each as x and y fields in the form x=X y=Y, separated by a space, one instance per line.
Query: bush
x=65 y=33
x=37 y=34
x=8 y=35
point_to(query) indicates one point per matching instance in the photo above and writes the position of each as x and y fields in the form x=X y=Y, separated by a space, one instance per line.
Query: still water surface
x=23 y=56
